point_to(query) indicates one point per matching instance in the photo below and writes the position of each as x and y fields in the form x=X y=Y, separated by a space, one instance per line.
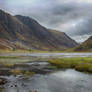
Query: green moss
x=16 y=72
x=80 y=64
x=8 y=57
x=7 y=65
x=22 y=72
x=0 y=90
x=27 y=73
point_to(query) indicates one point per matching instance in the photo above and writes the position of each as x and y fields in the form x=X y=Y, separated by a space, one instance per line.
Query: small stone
x=15 y=85
x=2 y=81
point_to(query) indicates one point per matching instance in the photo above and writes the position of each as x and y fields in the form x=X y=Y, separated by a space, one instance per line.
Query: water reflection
x=61 y=81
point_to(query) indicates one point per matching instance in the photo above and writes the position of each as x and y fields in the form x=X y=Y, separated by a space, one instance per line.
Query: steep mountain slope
x=63 y=38
x=53 y=38
x=85 y=46
x=13 y=32
x=20 y=32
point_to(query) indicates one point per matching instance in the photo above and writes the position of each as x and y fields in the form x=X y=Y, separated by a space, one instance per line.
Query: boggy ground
x=83 y=64
x=28 y=69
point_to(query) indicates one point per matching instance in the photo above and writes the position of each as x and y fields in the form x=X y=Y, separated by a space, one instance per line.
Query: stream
x=51 y=55
x=47 y=79
x=57 y=81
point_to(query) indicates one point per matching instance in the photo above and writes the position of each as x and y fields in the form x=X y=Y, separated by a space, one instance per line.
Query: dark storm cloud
x=83 y=28
x=64 y=15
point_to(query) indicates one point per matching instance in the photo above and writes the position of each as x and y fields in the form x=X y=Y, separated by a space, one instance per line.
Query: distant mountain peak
x=85 y=46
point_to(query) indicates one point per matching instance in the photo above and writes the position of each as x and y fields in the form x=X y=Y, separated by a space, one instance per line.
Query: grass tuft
x=81 y=63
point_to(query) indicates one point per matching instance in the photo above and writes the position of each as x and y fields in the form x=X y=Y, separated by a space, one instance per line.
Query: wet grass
x=41 y=51
x=10 y=60
x=14 y=51
x=80 y=63
x=8 y=57
x=22 y=72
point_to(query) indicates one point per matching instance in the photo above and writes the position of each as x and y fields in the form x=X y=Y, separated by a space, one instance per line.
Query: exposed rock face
x=21 y=32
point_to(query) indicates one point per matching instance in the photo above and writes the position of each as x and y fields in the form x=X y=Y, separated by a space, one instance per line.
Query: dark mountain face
x=20 y=32
x=51 y=37
x=63 y=39
x=85 y=46
x=12 y=32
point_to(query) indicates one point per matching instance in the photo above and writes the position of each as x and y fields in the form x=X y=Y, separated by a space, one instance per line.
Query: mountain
x=85 y=46
x=21 y=32
x=64 y=39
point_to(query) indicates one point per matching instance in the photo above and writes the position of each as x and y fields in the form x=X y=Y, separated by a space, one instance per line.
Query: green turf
x=79 y=63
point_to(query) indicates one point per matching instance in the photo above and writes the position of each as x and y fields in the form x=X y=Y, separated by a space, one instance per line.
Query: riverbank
x=83 y=64
x=40 y=51
x=77 y=61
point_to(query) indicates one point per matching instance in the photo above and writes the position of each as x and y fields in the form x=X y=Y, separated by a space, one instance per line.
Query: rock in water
x=2 y=81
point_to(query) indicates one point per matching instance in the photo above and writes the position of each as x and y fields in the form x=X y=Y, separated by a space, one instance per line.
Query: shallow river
x=51 y=55
x=46 y=80
x=57 y=81
x=61 y=81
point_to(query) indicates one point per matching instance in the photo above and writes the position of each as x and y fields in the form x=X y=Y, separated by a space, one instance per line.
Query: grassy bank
x=10 y=60
x=31 y=51
x=81 y=63
x=14 y=51
x=41 y=51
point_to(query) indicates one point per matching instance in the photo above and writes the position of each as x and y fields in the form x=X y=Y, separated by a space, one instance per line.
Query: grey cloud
x=55 y=13
x=83 y=28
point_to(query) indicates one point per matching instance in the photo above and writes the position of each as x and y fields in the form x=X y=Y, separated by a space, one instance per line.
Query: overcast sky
x=71 y=16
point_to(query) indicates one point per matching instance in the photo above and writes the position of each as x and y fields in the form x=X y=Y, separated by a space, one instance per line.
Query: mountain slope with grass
x=85 y=46
x=21 y=32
